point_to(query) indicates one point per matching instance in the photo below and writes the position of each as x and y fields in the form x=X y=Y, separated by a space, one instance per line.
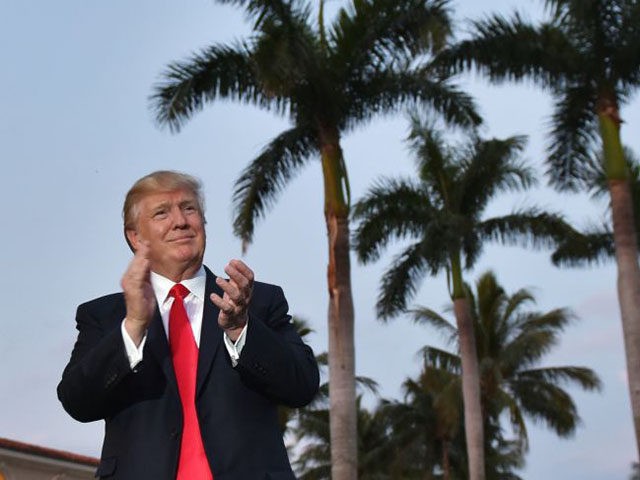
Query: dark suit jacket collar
x=211 y=334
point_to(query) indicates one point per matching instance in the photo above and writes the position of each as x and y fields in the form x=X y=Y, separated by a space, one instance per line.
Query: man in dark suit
x=185 y=368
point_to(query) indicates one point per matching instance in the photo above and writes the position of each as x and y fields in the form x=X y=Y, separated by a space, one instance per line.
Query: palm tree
x=587 y=55
x=511 y=343
x=442 y=211
x=327 y=81
x=310 y=428
x=427 y=424
x=379 y=459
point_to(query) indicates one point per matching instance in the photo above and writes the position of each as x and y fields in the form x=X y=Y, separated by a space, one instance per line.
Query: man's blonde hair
x=158 y=182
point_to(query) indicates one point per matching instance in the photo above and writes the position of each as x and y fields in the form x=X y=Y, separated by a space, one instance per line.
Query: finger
x=229 y=287
x=244 y=270
x=236 y=276
x=239 y=297
x=224 y=305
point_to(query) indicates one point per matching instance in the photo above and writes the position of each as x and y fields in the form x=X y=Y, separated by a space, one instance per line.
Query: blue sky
x=77 y=130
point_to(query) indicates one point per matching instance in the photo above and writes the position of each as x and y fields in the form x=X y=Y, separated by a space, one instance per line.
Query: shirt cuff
x=235 y=349
x=133 y=353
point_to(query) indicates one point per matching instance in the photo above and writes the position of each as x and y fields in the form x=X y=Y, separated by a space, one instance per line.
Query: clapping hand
x=234 y=302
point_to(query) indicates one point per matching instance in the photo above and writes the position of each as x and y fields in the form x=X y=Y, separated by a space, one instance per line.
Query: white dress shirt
x=193 y=304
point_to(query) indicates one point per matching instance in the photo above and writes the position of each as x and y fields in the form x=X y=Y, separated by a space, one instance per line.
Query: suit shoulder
x=267 y=288
x=104 y=303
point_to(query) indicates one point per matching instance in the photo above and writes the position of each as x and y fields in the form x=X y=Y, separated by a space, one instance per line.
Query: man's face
x=172 y=225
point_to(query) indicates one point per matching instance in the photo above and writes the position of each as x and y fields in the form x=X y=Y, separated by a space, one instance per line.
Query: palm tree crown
x=327 y=81
x=587 y=55
x=443 y=211
x=512 y=341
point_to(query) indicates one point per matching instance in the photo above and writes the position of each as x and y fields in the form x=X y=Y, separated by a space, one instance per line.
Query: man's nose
x=179 y=218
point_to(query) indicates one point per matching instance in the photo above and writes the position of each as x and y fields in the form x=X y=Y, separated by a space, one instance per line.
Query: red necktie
x=192 y=464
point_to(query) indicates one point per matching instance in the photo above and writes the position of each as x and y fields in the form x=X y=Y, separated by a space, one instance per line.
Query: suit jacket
x=237 y=407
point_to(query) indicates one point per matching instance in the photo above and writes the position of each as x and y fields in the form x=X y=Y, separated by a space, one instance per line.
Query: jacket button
x=174 y=432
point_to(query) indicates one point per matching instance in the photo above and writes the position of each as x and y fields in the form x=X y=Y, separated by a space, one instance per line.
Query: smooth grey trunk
x=473 y=425
x=626 y=246
x=342 y=395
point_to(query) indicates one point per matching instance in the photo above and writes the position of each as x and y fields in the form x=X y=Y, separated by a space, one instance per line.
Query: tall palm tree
x=587 y=55
x=443 y=211
x=511 y=342
x=326 y=81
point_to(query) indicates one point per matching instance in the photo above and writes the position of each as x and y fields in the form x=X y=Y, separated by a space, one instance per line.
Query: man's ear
x=132 y=239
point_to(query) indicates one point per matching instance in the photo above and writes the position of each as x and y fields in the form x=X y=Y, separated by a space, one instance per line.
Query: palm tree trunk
x=342 y=394
x=626 y=246
x=473 y=424
x=446 y=467
x=628 y=289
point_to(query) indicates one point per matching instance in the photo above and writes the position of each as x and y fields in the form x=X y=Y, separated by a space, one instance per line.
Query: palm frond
x=510 y=49
x=219 y=71
x=584 y=377
x=391 y=209
x=544 y=400
x=389 y=92
x=554 y=320
x=573 y=138
x=625 y=59
x=371 y=33
x=456 y=107
x=514 y=302
x=516 y=417
x=549 y=404
x=261 y=181
x=493 y=167
x=262 y=11
x=400 y=282
x=529 y=228
x=439 y=359
x=426 y=316
x=593 y=246
x=527 y=348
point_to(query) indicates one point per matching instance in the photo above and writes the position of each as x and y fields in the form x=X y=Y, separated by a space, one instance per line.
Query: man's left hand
x=234 y=303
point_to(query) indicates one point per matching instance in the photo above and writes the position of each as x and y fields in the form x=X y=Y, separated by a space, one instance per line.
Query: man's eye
x=190 y=208
x=159 y=214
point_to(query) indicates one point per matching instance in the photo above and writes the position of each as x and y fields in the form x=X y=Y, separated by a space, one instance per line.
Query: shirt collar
x=196 y=285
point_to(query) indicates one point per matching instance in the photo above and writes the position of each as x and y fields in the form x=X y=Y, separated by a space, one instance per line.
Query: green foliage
x=587 y=52
x=595 y=243
x=442 y=211
x=511 y=342
x=372 y=60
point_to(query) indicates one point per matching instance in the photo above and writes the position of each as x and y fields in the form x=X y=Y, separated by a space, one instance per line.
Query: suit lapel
x=210 y=334
x=158 y=345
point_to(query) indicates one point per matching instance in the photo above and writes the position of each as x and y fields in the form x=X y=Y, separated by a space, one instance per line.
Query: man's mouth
x=181 y=239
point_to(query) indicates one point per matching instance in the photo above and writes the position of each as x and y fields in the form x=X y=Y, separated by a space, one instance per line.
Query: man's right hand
x=138 y=294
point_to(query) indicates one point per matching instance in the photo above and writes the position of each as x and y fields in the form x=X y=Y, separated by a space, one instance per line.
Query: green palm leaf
x=259 y=184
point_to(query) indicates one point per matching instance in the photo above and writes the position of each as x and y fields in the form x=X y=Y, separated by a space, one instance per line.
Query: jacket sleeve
x=275 y=360
x=98 y=364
